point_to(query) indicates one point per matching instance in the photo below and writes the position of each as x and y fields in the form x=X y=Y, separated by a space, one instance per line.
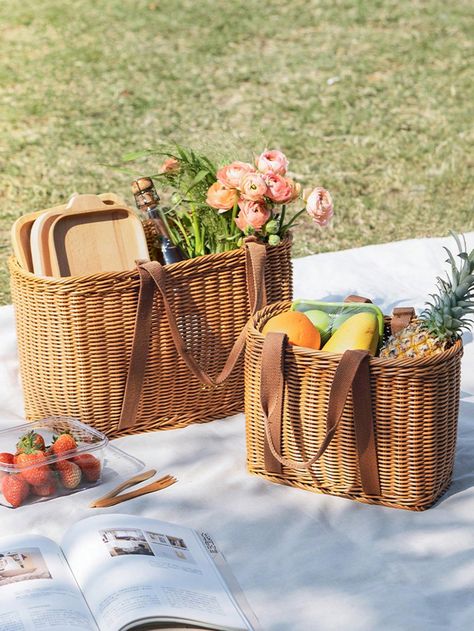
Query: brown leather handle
x=401 y=318
x=352 y=373
x=153 y=276
x=355 y=298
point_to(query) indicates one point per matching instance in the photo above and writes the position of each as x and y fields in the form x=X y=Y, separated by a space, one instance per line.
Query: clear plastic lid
x=87 y=439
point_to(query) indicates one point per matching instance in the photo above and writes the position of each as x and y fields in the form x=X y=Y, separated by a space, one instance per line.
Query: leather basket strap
x=354 y=298
x=352 y=374
x=153 y=277
x=401 y=318
x=272 y=385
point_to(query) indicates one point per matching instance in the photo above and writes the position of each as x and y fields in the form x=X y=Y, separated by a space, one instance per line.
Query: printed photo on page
x=133 y=571
x=37 y=590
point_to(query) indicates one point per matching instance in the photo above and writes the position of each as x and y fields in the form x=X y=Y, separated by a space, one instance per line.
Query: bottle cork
x=142 y=184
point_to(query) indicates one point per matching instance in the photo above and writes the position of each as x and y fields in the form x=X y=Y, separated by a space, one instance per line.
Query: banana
x=360 y=331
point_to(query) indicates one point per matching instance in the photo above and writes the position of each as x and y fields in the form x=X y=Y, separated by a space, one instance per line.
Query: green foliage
x=197 y=228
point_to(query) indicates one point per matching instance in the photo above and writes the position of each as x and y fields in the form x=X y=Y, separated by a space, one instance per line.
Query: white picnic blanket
x=306 y=562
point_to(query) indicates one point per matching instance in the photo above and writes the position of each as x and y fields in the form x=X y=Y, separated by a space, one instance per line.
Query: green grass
x=372 y=99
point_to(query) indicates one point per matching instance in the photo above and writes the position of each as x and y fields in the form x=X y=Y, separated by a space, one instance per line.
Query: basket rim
x=387 y=362
x=16 y=268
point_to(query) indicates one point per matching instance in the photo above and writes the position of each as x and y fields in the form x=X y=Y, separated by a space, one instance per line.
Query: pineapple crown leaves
x=452 y=306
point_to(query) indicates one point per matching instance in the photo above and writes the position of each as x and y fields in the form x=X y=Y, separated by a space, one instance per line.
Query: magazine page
x=132 y=569
x=230 y=581
x=37 y=589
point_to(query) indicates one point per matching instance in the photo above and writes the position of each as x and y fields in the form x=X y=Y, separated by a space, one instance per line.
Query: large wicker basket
x=79 y=336
x=392 y=442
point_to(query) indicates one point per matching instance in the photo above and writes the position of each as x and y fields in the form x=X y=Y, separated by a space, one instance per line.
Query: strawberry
x=89 y=465
x=15 y=489
x=62 y=464
x=63 y=443
x=69 y=473
x=5 y=458
x=48 y=488
x=29 y=441
x=39 y=473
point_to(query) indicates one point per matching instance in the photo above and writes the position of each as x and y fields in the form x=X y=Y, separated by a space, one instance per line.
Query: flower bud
x=272 y=227
x=273 y=239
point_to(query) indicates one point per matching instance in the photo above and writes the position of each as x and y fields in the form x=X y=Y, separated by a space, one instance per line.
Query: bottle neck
x=152 y=212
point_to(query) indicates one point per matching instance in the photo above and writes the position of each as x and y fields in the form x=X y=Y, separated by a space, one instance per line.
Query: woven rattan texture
x=75 y=338
x=415 y=404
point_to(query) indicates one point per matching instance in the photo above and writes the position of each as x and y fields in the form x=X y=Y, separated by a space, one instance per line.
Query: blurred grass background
x=372 y=99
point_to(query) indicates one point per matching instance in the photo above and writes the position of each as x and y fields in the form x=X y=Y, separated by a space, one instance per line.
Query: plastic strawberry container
x=88 y=465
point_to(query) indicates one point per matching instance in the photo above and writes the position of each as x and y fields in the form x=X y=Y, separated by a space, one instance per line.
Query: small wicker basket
x=392 y=442
x=175 y=325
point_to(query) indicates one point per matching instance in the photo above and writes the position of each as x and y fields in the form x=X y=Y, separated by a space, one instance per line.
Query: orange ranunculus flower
x=170 y=165
x=252 y=215
x=281 y=189
x=231 y=175
x=253 y=187
x=220 y=197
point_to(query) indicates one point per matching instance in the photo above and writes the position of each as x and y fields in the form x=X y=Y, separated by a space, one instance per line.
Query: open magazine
x=119 y=573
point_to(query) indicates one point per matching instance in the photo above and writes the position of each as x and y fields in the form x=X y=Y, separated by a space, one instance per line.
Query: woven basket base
x=172 y=422
x=418 y=505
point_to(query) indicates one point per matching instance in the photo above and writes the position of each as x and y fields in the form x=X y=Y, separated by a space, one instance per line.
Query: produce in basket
x=322 y=322
x=328 y=317
x=442 y=321
x=358 y=332
x=299 y=329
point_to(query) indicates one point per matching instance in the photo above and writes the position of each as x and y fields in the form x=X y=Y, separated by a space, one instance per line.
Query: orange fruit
x=299 y=328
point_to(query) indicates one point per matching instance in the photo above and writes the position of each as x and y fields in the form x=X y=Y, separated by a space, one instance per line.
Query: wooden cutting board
x=93 y=236
x=39 y=241
x=21 y=231
x=21 y=235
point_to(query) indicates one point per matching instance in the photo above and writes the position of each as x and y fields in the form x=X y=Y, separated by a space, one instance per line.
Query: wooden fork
x=115 y=496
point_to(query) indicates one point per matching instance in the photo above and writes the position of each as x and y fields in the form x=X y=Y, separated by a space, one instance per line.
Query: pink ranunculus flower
x=280 y=189
x=272 y=160
x=170 y=165
x=253 y=187
x=231 y=175
x=252 y=215
x=220 y=197
x=319 y=206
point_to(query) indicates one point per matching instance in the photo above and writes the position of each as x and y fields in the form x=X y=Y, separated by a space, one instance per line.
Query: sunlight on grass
x=372 y=100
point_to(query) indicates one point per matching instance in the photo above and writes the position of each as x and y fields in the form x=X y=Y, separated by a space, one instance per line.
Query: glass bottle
x=147 y=201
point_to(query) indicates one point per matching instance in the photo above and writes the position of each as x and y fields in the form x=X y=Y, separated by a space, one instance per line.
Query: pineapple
x=442 y=321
